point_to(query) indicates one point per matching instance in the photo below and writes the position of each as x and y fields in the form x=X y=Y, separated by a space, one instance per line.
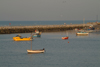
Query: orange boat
x=65 y=38
x=19 y=38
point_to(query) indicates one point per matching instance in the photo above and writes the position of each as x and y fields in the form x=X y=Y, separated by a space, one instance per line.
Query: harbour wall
x=41 y=28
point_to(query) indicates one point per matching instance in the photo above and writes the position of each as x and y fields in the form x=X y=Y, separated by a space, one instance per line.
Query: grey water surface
x=77 y=51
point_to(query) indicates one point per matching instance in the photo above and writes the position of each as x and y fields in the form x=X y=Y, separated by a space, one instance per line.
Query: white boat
x=82 y=33
x=30 y=51
x=36 y=51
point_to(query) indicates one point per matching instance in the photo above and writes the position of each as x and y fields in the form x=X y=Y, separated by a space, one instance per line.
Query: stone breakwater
x=41 y=28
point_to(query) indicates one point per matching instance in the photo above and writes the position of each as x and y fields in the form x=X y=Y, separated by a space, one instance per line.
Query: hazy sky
x=49 y=10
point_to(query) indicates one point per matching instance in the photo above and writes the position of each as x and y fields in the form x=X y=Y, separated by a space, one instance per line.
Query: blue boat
x=37 y=34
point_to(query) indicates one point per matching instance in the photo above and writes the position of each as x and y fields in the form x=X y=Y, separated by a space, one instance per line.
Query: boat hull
x=36 y=35
x=65 y=38
x=22 y=39
x=35 y=51
x=82 y=34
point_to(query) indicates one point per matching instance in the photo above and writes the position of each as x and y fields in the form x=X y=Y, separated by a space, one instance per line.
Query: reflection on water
x=81 y=51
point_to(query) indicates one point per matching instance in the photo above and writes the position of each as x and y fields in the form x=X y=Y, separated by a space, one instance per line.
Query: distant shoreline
x=29 y=23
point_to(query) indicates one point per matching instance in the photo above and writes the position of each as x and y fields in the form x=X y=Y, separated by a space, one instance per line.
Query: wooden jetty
x=41 y=28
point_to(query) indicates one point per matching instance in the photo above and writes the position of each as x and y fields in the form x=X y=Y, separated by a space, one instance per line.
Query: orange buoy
x=68 y=41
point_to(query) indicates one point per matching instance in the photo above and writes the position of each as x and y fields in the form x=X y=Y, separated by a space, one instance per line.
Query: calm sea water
x=23 y=23
x=81 y=51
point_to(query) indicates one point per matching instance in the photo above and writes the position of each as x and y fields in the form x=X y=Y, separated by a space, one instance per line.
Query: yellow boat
x=19 y=38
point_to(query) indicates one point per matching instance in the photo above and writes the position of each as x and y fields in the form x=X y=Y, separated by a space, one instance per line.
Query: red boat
x=65 y=38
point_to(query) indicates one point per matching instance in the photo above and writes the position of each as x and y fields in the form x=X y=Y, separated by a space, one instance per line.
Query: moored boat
x=19 y=38
x=22 y=39
x=36 y=51
x=30 y=51
x=65 y=38
x=37 y=34
x=81 y=33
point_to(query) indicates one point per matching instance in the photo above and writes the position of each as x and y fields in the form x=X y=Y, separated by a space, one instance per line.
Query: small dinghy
x=30 y=51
